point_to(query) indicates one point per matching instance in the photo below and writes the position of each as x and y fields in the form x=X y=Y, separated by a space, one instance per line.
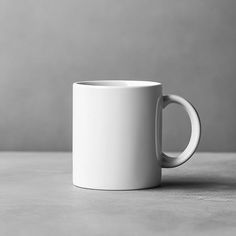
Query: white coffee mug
x=117 y=132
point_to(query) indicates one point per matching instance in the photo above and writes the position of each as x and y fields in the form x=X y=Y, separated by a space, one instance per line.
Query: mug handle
x=169 y=162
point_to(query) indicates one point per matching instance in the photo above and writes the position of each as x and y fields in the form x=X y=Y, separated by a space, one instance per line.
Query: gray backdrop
x=188 y=45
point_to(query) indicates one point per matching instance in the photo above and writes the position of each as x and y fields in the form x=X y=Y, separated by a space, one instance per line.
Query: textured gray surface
x=188 y=45
x=37 y=198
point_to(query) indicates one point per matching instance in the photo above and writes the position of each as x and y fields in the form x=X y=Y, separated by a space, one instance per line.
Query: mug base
x=118 y=189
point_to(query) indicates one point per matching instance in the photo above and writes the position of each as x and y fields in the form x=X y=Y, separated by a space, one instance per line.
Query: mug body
x=117 y=134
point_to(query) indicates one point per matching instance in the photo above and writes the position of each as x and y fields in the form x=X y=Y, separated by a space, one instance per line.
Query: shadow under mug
x=117 y=136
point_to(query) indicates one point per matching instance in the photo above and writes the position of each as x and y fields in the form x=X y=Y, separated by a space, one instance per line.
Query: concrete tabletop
x=38 y=198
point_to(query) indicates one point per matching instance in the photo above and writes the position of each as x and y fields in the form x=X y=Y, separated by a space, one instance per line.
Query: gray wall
x=188 y=45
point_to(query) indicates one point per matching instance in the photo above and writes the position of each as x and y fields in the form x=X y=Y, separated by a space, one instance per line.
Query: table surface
x=37 y=198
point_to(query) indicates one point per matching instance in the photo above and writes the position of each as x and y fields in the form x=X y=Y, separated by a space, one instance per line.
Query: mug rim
x=117 y=83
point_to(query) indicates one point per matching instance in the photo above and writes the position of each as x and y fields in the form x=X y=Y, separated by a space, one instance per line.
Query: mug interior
x=119 y=83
